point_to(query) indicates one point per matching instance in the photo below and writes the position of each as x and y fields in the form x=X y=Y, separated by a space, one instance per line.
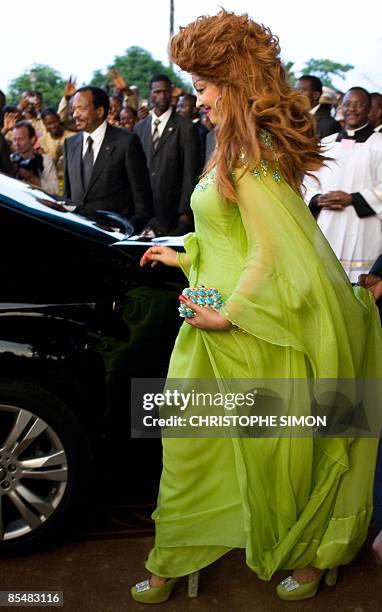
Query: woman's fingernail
x=182 y=298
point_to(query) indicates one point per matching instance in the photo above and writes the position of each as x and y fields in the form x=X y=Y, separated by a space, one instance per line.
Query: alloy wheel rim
x=33 y=472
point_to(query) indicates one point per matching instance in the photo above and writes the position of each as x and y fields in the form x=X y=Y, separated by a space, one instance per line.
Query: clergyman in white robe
x=354 y=232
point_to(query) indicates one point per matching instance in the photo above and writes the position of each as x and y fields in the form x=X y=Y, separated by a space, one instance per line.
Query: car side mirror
x=107 y=217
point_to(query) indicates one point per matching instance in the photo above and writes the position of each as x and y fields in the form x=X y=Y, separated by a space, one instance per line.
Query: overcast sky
x=80 y=36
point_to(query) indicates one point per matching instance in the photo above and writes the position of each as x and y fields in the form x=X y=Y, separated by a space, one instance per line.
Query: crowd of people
x=32 y=147
x=29 y=131
x=143 y=161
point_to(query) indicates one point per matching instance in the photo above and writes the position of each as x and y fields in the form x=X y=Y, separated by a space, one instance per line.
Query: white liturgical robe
x=356 y=168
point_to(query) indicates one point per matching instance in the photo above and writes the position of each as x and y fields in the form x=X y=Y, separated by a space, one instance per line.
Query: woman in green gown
x=289 y=312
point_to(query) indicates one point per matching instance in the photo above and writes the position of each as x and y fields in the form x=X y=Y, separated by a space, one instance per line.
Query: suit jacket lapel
x=104 y=153
x=168 y=130
x=76 y=162
x=147 y=138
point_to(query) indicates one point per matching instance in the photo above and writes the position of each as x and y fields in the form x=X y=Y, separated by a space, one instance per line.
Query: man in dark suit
x=2 y=104
x=210 y=145
x=186 y=107
x=173 y=154
x=5 y=162
x=311 y=87
x=105 y=167
x=375 y=114
x=373 y=282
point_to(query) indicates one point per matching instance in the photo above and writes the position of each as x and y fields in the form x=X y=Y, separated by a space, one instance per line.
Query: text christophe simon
x=227 y=401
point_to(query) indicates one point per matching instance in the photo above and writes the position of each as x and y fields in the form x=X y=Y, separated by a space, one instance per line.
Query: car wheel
x=43 y=459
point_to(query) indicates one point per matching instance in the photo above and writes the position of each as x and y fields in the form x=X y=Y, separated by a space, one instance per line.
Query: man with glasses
x=347 y=201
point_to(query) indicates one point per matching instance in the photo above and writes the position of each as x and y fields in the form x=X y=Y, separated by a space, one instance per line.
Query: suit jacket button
x=153 y=174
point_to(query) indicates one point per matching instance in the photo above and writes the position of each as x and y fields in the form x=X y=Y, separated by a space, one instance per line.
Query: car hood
x=28 y=200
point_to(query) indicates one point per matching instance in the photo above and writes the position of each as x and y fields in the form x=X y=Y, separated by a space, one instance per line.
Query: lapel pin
x=170 y=129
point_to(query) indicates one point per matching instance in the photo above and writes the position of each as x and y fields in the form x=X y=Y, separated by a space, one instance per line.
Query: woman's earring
x=218 y=99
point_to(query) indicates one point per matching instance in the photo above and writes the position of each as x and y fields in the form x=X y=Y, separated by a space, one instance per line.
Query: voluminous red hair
x=243 y=59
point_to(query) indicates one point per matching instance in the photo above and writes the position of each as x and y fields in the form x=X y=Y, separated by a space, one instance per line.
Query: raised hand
x=9 y=121
x=118 y=81
x=70 y=87
x=143 y=111
x=23 y=102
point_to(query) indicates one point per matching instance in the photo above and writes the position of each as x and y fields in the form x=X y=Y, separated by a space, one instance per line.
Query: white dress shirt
x=314 y=109
x=163 y=121
x=48 y=177
x=97 y=136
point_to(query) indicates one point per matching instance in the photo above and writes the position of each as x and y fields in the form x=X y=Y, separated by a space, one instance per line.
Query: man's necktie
x=87 y=163
x=156 y=133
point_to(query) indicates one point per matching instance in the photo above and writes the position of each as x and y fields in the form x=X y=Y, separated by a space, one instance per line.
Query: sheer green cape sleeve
x=188 y=261
x=293 y=291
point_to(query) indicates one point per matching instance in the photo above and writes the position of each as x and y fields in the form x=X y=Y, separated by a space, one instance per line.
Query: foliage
x=291 y=76
x=99 y=79
x=39 y=77
x=137 y=66
x=326 y=69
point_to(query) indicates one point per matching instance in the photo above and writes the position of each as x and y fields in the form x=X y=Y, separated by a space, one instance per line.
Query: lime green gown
x=288 y=502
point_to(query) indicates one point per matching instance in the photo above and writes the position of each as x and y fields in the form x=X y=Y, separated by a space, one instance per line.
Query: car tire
x=44 y=467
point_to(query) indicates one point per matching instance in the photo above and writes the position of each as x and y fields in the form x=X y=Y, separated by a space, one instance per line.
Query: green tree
x=41 y=78
x=99 y=79
x=137 y=66
x=325 y=69
x=290 y=74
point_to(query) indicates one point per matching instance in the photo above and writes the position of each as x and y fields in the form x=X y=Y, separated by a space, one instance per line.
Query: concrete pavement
x=96 y=574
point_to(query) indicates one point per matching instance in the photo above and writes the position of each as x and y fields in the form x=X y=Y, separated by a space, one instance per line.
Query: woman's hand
x=205 y=318
x=156 y=253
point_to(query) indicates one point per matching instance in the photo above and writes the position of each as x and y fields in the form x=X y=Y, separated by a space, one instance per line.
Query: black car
x=78 y=319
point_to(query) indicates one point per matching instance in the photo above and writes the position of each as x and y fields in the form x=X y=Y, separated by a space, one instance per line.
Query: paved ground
x=96 y=574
